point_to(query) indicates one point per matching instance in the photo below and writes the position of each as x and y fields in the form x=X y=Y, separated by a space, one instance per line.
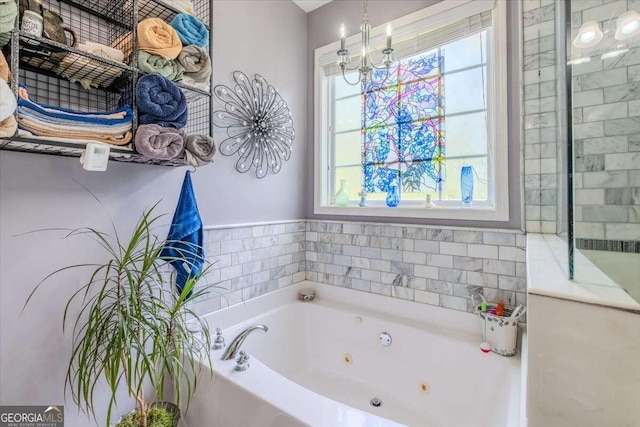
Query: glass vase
x=466 y=185
x=393 y=197
x=342 y=197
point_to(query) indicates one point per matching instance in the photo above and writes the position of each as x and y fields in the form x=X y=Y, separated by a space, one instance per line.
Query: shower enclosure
x=596 y=47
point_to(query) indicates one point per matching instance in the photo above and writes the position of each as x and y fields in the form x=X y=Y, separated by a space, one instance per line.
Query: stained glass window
x=417 y=128
x=407 y=134
x=403 y=126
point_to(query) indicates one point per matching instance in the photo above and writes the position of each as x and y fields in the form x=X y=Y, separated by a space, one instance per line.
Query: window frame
x=439 y=14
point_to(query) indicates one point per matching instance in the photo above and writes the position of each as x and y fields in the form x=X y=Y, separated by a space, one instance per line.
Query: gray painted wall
x=38 y=192
x=323 y=24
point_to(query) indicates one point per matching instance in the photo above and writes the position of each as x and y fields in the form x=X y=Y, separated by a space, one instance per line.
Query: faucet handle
x=219 y=341
x=242 y=362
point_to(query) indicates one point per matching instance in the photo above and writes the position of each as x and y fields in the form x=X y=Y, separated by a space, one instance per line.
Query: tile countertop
x=546 y=276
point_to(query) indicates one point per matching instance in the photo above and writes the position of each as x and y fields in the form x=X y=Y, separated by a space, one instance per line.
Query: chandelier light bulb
x=627 y=25
x=589 y=35
x=630 y=28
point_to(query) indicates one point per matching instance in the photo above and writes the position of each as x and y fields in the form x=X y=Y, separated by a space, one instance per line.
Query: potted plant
x=133 y=330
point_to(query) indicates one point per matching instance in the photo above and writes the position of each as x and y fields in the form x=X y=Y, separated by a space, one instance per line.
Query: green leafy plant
x=133 y=329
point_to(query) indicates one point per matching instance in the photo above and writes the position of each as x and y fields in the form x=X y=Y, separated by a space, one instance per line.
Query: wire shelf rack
x=117 y=12
x=39 y=54
x=69 y=149
x=62 y=75
x=165 y=11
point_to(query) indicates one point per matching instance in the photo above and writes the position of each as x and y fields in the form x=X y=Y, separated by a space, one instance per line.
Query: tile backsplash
x=540 y=105
x=431 y=265
x=252 y=260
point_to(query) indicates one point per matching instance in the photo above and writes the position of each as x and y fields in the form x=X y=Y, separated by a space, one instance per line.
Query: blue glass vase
x=393 y=197
x=466 y=185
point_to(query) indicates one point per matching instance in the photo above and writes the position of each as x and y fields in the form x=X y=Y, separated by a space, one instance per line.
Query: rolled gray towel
x=199 y=150
x=159 y=142
x=197 y=67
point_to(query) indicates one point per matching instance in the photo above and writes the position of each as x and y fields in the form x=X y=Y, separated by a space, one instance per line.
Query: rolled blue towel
x=190 y=30
x=161 y=102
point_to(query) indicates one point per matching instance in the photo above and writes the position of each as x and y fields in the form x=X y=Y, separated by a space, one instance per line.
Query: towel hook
x=192 y=169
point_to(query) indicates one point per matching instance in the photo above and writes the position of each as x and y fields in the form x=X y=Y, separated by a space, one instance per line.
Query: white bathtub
x=299 y=377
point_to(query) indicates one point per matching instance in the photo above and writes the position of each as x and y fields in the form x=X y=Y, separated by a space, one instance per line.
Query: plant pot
x=172 y=409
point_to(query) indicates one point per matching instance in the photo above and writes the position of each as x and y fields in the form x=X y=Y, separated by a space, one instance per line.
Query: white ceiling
x=309 y=5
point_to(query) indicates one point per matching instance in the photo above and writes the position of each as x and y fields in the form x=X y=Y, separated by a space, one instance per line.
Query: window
x=415 y=127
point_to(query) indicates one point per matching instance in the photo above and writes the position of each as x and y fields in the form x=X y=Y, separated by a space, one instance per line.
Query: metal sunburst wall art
x=258 y=124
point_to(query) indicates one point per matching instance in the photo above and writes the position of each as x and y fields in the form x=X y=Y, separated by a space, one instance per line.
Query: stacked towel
x=45 y=121
x=159 y=142
x=191 y=30
x=8 y=13
x=161 y=102
x=170 y=68
x=197 y=67
x=199 y=150
x=8 y=124
x=159 y=38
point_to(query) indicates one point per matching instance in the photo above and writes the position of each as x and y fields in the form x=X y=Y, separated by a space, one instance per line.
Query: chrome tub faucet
x=234 y=347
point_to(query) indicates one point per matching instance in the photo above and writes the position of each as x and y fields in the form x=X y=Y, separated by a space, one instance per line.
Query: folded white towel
x=88 y=72
x=102 y=51
x=184 y=6
x=8 y=102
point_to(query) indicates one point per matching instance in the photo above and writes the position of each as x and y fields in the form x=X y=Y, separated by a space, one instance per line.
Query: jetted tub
x=321 y=363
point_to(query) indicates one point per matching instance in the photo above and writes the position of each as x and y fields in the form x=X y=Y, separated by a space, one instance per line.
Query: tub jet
x=375 y=402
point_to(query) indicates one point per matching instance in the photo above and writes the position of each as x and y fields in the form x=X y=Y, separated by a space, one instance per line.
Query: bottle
x=500 y=308
x=466 y=185
x=342 y=197
x=363 y=199
x=393 y=197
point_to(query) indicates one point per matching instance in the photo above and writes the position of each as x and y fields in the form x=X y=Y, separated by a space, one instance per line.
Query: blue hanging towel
x=184 y=247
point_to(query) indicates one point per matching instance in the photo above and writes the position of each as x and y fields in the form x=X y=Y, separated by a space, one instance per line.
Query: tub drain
x=375 y=402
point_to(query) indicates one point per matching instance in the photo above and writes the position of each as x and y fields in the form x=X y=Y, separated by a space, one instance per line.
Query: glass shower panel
x=603 y=54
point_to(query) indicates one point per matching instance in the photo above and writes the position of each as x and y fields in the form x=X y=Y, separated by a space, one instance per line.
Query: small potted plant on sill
x=134 y=331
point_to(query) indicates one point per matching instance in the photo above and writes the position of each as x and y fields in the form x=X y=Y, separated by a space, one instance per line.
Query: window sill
x=475 y=213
